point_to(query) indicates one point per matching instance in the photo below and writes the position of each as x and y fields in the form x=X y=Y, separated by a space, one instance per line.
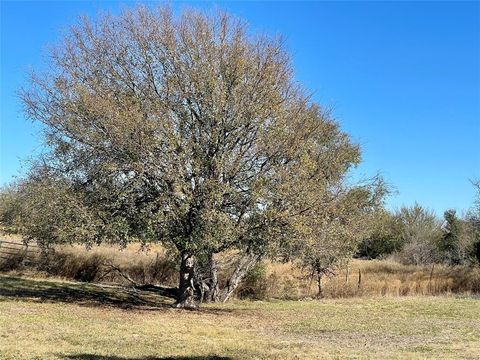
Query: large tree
x=186 y=131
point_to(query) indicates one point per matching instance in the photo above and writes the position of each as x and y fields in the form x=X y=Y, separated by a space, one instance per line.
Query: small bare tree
x=344 y=223
x=420 y=232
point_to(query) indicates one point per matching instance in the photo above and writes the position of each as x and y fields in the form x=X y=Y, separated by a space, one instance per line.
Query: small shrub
x=12 y=262
x=89 y=268
x=254 y=285
x=79 y=267
x=290 y=289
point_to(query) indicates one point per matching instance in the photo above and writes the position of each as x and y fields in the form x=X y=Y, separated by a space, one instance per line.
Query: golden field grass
x=280 y=281
x=377 y=278
x=53 y=319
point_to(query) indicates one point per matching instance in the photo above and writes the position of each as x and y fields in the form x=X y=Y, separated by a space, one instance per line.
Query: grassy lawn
x=42 y=319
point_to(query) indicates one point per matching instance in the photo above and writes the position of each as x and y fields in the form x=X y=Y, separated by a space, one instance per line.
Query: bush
x=12 y=262
x=384 y=239
x=418 y=252
x=421 y=234
x=79 y=267
x=377 y=247
x=254 y=285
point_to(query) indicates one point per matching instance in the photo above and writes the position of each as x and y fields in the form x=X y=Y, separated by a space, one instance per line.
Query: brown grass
x=377 y=278
x=143 y=265
x=278 y=280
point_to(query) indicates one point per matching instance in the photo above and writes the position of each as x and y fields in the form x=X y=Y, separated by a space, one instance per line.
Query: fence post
x=346 y=274
x=430 y=280
x=359 y=278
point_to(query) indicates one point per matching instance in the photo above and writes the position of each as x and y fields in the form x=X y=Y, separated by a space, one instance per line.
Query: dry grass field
x=52 y=319
x=278 y=281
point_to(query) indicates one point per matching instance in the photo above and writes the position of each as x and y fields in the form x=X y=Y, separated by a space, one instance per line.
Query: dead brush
x=100 y=264
x=135 y=264
x=376 y=278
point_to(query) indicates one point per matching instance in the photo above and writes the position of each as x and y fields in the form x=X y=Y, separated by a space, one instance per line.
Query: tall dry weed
x=267 y=280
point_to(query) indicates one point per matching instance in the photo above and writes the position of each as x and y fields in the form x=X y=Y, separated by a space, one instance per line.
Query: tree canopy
x=186 y=131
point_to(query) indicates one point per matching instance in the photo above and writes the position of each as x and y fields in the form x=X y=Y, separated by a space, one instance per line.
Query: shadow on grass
x=101 y=357
x=80 y=293
x=87 y=294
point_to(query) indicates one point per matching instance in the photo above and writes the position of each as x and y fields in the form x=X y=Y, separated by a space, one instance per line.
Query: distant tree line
x=414 y=235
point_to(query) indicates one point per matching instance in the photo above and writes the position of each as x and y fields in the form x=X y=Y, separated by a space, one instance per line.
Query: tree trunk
x=319 y=284
x=212 y=291
x=186 y=289
x=246 y=262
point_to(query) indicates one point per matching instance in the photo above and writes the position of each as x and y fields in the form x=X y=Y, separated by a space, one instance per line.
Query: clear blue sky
x=403 y=79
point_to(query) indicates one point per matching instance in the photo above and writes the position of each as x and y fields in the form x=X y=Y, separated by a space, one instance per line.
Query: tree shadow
x=80 y=293
x=101 y=357
x=87 y=294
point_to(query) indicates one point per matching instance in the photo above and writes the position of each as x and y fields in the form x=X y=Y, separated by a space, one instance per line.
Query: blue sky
x=403 y=79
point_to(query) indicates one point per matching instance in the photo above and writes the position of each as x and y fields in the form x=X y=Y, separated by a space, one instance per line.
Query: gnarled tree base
x=189 y=305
